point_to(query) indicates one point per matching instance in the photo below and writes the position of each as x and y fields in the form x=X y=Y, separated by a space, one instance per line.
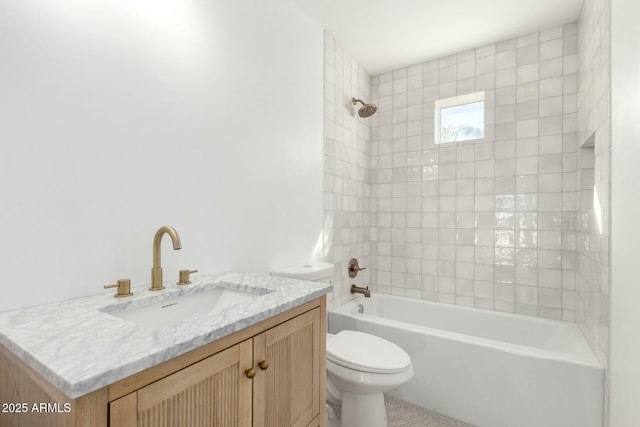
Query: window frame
x=457 y=101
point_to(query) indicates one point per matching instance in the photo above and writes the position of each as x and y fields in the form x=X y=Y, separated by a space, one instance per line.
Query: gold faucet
x=358 y=290
x=156 y=271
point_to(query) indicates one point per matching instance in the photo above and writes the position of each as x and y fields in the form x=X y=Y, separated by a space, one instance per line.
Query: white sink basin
x=168 y=312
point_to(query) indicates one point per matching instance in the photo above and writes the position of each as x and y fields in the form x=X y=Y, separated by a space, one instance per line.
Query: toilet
x=360 y=366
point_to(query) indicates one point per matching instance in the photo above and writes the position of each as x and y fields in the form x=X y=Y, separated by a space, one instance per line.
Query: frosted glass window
x=460 y=118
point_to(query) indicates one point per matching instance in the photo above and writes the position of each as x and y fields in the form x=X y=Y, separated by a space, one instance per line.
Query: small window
x=460 y=118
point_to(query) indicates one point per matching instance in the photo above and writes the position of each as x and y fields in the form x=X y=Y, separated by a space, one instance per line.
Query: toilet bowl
x=360 y=368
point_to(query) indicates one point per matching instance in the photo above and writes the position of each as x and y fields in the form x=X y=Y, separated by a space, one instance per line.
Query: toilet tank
x=314 y=272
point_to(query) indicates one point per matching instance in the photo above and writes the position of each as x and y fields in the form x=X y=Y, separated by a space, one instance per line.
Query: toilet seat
x=366 y=353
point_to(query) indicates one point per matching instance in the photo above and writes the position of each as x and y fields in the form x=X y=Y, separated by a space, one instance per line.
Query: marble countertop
x=78 y=347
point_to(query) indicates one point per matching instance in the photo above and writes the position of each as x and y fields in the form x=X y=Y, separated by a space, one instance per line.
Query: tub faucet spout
x=358 y=290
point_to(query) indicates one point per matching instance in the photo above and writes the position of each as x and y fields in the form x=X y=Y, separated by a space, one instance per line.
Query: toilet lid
x=366 y=352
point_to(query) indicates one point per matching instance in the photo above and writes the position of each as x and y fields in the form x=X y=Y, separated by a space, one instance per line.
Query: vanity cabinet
x=269 y=380
x=271 y=374
x=211 y=392
x=288 y=392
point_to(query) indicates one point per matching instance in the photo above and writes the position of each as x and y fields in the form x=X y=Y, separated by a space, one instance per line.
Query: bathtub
x=487 y=368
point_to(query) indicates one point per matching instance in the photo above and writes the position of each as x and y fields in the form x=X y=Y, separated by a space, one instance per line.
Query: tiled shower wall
x=593 y=226
x=509 y=223
x=489 y=223
x=347 y=157
x=593 y=282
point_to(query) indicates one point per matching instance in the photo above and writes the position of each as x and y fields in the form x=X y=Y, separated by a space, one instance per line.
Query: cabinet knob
x=264 y=365
x=250 y=373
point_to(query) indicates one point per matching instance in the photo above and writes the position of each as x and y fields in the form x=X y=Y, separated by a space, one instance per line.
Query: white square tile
x=485 y=51
x=527 y=239
x=466 y=69
x=551 y=49
x=431 y=77
x=466 y=56
x=505 y=184
x=506 y=95
x=484 y=238
x=505 y=113
x=448 y=74
x=551 y=33
x=447 y=90
x=504 y=167
x=551 y=163
x=504 y=293
x=527 y=276
x=484 y=221
x=527 y=221
x=506 y=45
x=485 y=82
x=551 y=259
x=549 y=240
x=527 y=128
x=526 y=294
x=550 y=278
x=526 y=258
x=571 y=45
x=570 y=64
x=527 y=202
x=527 y=110
x=551 y=106
x=506 y=77
x=528 y=39
x=484 y=254
x=551 y=125
x=504 y=221
x=550 y=182
x=526 y=147
x=527 y=165
x=551 y=87
x=504 y=238
x=505 y=150
x=505 y=131
x=528 y=55
x=551 y=68
x=527 y=91
x=486 y=64
x=506 y=59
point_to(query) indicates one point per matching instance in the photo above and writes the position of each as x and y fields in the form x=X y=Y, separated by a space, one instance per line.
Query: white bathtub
x=487 y=368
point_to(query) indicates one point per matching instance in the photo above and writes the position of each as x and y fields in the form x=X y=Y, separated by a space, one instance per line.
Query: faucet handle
x=183 y=277
x=354 y=268
x=124 y=288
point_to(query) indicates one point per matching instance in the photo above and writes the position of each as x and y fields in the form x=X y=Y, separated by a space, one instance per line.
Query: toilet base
x=363 y=410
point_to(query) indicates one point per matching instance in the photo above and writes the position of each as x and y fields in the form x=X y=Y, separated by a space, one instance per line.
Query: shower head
x=367 y=110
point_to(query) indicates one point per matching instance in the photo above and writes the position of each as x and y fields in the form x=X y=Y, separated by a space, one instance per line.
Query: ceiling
x=384 y=35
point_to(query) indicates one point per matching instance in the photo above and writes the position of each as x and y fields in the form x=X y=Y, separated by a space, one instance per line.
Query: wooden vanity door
x=214 y=392
x=288 y=392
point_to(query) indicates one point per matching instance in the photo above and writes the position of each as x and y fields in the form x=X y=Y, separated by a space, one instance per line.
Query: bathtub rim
x=585 y=358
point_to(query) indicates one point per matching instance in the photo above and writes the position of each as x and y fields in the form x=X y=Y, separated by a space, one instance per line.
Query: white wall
x=117 y=117
x=625 y=292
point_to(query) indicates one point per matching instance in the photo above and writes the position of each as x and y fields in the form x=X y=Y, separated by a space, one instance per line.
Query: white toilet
x=360 y=367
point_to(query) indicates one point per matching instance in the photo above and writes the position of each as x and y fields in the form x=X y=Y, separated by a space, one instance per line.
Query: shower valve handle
x=354 y=268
